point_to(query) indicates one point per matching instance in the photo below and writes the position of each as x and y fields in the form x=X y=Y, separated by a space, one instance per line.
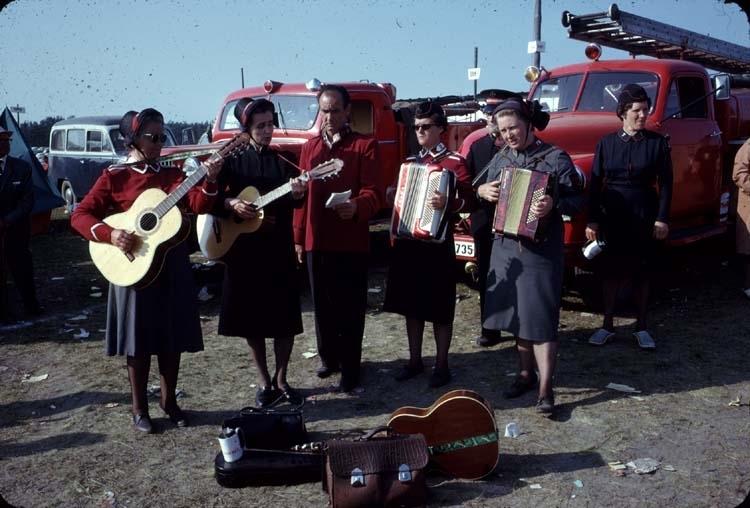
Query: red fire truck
x=374 y=111
x=707 y=117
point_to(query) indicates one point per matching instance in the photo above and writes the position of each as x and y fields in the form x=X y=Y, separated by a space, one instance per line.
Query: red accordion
x=521 y=188
x=412 y=216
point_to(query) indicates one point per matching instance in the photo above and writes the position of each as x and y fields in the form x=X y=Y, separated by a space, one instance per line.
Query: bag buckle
x=404 y=473
x=357 y=478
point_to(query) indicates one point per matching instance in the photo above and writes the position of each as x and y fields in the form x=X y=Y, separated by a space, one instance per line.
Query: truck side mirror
x=722 y=88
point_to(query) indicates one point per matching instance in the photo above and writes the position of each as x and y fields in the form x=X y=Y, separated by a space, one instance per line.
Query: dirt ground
x=66 y=436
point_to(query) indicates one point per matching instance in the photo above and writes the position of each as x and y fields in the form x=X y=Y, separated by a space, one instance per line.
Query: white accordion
x=412 y=216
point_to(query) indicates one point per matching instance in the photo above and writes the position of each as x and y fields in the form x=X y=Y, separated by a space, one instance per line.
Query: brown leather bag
x=376 y=471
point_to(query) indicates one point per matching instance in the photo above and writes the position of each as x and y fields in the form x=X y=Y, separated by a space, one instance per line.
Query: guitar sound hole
x=148 y=221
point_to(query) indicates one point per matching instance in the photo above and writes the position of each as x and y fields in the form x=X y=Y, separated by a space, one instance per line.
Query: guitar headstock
x=238 y=142
x=323 y=171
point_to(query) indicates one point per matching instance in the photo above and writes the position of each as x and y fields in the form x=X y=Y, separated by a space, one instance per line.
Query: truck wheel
x=69 y=195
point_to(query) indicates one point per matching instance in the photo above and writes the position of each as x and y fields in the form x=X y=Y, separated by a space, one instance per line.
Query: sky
x=95 y=57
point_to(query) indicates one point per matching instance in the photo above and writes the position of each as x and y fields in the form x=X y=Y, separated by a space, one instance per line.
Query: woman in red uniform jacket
x=162 y=318
x=421 y=281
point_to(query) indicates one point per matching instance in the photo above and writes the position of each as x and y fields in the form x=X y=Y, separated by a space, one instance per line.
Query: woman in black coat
x=627 y=211
x=260 y=297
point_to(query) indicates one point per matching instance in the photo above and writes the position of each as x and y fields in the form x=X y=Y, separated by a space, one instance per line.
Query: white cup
x=512 y=430
x=593 y=249
x=231 y=446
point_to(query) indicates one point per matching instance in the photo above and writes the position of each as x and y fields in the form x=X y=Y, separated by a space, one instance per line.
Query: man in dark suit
x=16 y=202
x=480 y=153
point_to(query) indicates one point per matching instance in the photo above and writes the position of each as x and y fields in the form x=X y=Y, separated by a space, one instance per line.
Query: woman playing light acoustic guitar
x=162 y=318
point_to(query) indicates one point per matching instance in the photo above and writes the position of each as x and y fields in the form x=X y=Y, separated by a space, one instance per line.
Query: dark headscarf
x=631 y=94
x=530 y=112
x=132 y=123
x=247 y=107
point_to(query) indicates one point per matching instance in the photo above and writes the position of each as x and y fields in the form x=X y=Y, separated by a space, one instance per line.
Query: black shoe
x=267 y=396
x=324 y=372
x=439 y=378
x=520 y=386
x=484 y=341
x=176 y=416
x=407 y=372
x=546 y=405
x=347 y=385
x=142 y=422
x=291 y=395
x=35 y=310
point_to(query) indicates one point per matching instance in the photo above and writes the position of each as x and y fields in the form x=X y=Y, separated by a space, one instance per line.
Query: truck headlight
x=190 y=166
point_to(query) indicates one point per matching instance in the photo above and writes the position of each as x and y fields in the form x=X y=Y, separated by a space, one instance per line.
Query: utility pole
x=538 y=45
x=476 y=66
x=242 y=76
x=474 y=71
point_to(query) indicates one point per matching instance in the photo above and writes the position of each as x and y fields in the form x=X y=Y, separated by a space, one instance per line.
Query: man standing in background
x=16 y=202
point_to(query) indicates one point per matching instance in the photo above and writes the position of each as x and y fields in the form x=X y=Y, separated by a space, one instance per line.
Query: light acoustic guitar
x=216 y=235
x=460 y=431
x=158 y=226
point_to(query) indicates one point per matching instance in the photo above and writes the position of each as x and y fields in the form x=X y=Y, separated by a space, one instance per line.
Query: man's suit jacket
x=16 y=194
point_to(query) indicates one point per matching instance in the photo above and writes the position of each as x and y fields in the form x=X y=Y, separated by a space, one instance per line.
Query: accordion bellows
x=520 y=189
x=412 y=216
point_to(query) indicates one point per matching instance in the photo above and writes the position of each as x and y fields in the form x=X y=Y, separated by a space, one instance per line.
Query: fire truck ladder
x=640 y=36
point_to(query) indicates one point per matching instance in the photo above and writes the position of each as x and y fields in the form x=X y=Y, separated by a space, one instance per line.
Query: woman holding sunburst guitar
x=160 y=316
x=260 y=292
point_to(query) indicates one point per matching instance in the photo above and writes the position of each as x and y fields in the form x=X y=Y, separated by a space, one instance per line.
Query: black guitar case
x=269 y=467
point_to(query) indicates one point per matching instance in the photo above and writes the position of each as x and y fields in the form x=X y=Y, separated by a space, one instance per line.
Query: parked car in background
x=79 y=150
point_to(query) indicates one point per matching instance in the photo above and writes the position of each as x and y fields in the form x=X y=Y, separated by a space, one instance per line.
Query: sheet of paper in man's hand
x=336 y=198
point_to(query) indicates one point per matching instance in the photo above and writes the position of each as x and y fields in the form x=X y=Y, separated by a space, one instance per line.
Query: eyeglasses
x=155 y=138
x=423 y=127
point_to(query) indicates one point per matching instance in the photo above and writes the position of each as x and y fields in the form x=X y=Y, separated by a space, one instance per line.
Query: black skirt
x=160 y=318
x=421 y=281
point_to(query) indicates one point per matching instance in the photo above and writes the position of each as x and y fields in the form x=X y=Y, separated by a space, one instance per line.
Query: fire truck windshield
x=294 y=112
x=600 y=90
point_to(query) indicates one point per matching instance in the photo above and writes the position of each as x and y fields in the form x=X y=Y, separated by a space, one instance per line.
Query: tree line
x=37 y=133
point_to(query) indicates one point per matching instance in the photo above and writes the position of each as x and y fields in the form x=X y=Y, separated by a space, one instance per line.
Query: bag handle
x=382 y=428
x=269 y=410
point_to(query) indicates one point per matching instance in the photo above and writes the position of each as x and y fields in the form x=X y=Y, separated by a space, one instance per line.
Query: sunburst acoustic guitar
x=216 y=235
x=460 y=431
x=158 y=226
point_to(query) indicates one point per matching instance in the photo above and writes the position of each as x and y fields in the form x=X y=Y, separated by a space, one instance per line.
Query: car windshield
x=600 y=90
x=295 y=112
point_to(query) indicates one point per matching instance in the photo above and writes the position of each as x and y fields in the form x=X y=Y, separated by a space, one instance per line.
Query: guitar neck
x=176 y=195
x=272 y=196
x=188 y=183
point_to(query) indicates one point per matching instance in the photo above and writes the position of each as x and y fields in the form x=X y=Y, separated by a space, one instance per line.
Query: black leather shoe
x=143 y=423
x=408 y=371
x=484 y=341
x=291 y=395
x=324 y=372
x=520 y=386
x=439 y=378
x=35 y=310
x=347 y=385
x=177 y=416
x=546 y=405
x=267 y=396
